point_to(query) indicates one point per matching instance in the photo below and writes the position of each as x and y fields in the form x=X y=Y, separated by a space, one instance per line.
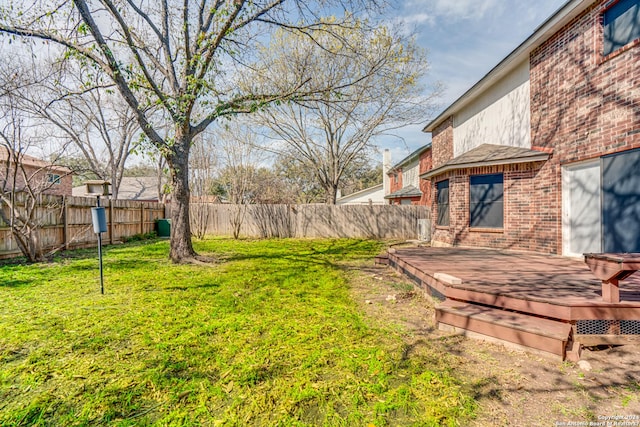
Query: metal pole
x=100 y=256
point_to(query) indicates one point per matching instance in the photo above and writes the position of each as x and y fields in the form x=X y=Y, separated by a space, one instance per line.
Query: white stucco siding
x=501 y=115
x=411 y=174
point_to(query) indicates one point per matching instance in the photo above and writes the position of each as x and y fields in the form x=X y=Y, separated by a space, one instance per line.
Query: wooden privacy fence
x=358 y=221
x=65 y=222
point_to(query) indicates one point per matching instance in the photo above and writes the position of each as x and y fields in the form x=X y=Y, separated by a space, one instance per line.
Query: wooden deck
x=553 y=288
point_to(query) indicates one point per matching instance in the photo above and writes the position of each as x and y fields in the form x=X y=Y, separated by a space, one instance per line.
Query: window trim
x=600 y=21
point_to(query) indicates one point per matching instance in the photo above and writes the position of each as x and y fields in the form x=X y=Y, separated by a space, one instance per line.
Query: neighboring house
x=543 y=153
x=405 y=185
x=43 y=177
x=369 y=196
x=141 y=189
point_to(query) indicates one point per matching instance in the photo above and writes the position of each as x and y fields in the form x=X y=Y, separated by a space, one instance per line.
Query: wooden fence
x=358 y=221
x=66 y=222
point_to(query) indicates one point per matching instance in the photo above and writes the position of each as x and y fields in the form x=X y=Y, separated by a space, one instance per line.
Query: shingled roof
x=34 y=162
x=411 y=157
x=408 y=191
x=488 y=155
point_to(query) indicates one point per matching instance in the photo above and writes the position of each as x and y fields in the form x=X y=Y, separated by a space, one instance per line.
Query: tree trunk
x=29 y=243
x=178 y=161
x=331 y=191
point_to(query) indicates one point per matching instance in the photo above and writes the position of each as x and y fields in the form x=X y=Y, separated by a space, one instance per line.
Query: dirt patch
x=513 y=387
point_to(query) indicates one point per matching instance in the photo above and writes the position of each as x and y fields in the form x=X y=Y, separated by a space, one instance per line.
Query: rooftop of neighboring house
x=552 y=25
x=364 y=192
x=144 y=188
x=35 y=162
x=410 y=158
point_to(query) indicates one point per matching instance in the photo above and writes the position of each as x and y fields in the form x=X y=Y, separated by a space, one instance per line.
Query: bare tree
x=103 y=129
x=240 y=158
x=197 y=61
x=331 y=134
x=24 y=180
x=203 y=165
x=101 y=126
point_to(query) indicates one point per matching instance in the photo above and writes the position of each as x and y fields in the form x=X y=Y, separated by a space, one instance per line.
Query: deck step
x=528 y=331
x=382 y=259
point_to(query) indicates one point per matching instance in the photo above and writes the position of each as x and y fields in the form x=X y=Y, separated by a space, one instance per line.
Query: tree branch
x=114 y=70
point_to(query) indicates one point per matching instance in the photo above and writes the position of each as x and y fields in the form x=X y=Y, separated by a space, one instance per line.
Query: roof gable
x=553 y=24
x=410 y=158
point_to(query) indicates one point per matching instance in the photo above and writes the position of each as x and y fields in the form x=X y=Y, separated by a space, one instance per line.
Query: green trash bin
x=164 y=227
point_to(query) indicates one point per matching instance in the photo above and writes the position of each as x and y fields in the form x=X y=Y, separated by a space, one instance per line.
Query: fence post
x=65 y=223
x=141 y=217
x=111 y=239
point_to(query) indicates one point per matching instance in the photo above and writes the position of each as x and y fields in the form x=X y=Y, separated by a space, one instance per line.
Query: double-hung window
x=621 y=25
x=486 y=193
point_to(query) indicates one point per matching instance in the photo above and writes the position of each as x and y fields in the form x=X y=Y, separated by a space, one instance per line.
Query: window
x=620 y=196
x=621 y=24
x=485 y=201
x=53 y=178
x=442 y=201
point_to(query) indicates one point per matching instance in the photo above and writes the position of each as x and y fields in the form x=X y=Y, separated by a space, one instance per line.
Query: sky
x=464 y=39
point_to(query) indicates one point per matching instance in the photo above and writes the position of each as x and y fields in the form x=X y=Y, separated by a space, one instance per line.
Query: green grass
x=268 y=336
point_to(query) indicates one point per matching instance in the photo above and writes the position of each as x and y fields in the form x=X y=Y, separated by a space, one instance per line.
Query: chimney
x=386 y=165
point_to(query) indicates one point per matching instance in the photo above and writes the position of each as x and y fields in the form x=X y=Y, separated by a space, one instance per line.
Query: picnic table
x=612 y=268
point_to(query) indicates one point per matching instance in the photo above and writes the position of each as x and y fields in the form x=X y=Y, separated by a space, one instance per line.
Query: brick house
x=50 y=179
x=405 y=185
x=543 y=153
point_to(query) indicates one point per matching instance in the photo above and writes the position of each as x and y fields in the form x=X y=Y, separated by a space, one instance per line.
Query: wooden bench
x=612 y=268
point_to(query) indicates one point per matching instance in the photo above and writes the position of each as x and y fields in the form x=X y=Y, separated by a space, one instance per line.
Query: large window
x=621 y=201
x=621 y=25
x=443 y=202
x=486 y=201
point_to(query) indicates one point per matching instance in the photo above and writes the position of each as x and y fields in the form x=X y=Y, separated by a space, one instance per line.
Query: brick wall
x=62 y=189
x=38 y=179
x=442 y=143
x=426 y=164
x=583 y=105
x=395 y=183
x=523 y=228
x=414 y=201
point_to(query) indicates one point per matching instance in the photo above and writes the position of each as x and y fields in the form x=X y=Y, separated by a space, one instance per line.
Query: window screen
x=443 y=202
x=621 y=25
x=621 y=202
x=486 y=201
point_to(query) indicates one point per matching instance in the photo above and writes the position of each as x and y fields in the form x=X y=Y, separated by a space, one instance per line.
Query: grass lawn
x=268 y=336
